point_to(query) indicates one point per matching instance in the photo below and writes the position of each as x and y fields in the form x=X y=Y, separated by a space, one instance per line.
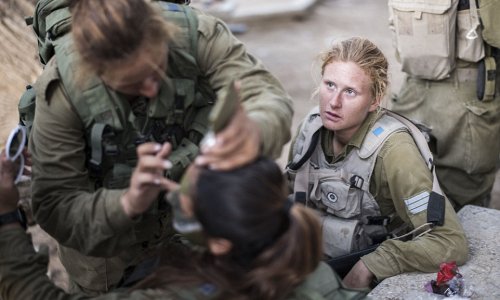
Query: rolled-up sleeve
x=223 y=58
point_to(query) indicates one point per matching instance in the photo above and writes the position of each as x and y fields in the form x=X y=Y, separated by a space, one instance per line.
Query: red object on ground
x=446 y=272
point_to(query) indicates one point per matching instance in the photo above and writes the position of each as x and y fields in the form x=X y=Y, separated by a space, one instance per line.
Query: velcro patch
x=378 y=131
x=417 y=203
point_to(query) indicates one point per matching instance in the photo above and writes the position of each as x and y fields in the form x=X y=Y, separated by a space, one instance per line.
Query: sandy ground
x=288 y=47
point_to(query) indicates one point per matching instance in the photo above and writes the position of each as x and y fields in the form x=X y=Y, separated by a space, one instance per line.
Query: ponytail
x=296 y=254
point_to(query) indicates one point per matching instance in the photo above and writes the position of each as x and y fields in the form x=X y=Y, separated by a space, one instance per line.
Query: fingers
x=8 y=169
x=27 y=158
x=236 y=145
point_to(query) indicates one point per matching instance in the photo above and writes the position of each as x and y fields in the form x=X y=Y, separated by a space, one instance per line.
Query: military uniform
x=400 y=174
x=467 y=131
x=82 y=211
x=23 y=276
x=440 y=46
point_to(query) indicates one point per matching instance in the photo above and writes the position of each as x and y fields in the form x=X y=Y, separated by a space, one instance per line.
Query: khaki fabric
x=467 y=132
x=399 y=174
x=23 y=276
x=93 y=222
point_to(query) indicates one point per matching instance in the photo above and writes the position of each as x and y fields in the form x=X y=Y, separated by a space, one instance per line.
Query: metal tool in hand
x=221 y=114
x=14 y=149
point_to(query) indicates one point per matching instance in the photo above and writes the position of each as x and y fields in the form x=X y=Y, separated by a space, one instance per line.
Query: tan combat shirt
x=23 y=276
x=93 y=222
x=399 y=174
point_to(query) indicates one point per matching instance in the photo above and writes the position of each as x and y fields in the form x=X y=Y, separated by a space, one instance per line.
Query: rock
x=481 y=272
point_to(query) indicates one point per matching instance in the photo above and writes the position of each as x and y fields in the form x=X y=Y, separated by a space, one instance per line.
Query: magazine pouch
x=424 y=34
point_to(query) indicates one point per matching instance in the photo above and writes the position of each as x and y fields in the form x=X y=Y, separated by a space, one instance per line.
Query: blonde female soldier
x=359 y=166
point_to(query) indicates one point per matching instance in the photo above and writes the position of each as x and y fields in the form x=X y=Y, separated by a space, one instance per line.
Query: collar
x=355 y=142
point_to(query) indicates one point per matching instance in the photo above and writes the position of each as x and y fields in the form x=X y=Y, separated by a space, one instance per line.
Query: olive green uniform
x=91 y=222
x=23 y=276
x=400 y=173
x=467 y=131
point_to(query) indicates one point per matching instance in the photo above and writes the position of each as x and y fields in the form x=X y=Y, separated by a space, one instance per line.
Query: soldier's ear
x=374 y=105
x=219 y=246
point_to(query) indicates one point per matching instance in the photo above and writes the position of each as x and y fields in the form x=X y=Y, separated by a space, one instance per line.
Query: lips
x=332 y=116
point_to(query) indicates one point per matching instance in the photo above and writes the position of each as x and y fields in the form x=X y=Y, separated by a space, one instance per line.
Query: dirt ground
x=287 y=46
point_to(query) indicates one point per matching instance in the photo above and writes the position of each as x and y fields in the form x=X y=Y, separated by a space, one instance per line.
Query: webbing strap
x=96 y=143
x=474 y=16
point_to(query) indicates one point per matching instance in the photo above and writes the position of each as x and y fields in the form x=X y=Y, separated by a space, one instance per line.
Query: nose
x=150 y=87
x=335 y=100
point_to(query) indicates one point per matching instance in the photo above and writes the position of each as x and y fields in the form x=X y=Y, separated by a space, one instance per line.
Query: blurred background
x=287 y=35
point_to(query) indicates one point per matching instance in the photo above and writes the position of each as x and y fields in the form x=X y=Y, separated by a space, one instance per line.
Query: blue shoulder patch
x=378 y=131
x=173 y=7
x=207 y=289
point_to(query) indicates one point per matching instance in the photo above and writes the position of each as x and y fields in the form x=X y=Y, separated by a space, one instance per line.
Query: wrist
x=127 y=206
x=13 y=218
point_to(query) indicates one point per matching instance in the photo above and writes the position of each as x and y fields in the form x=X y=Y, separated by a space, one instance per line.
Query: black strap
x=307 y=155
x=436 y=209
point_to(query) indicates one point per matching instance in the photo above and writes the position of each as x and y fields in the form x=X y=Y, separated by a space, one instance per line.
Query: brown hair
x=367 y=56
x=275 y=247
x=106 y=32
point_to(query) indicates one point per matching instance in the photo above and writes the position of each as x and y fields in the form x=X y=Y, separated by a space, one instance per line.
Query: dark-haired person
x=365 y=170
x=272 y=250
x=129 y=72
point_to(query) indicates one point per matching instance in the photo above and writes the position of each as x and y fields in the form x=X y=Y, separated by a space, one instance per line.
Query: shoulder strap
x=307 y=139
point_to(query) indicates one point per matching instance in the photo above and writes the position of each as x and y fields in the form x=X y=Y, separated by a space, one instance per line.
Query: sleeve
x=222 y=58
x=23 y=274
x=63 y=205
x=402 y=175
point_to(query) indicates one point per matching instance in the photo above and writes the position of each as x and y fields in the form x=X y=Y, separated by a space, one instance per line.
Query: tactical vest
x=340 y=191
x=179 y=115
x=434 y=37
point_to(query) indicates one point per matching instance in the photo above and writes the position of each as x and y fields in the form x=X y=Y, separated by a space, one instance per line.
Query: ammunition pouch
x=486 y=79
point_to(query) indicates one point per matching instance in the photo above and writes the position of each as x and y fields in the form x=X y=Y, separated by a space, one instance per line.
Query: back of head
x=367 y=56
x=106 y=32
x=274 y=247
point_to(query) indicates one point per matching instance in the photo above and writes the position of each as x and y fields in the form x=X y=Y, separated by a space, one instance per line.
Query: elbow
x=458 y=249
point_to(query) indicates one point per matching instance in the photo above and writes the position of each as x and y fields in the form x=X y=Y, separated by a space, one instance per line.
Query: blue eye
x=329 y=84
x=350 y=92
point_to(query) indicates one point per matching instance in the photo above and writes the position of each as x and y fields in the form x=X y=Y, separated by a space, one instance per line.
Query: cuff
x=116 y=216
x=267 y=138
x=13 y=242
x=382 y=266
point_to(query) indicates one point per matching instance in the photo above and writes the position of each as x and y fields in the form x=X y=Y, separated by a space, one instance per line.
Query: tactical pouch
x=26 y=108
x=489 y=11
x=470 y=45
x=342 y=236
x=424 y=34
x=486 y=80
x=335 y=194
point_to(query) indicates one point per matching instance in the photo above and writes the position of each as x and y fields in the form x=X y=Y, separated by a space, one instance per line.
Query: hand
x=148 y=178
x=358 y=277
x=9 y=195
x=236 y=145
x=27 y=162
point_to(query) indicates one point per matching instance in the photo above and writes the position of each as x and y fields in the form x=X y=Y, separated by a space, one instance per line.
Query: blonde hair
x=367 y=56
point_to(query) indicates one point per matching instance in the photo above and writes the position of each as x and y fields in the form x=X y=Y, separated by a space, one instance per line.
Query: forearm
x=223 y=58
x=22 y=271
x=424 y=254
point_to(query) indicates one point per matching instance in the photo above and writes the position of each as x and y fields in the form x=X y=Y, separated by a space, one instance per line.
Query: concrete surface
x=481 y=273
x=250 y=10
